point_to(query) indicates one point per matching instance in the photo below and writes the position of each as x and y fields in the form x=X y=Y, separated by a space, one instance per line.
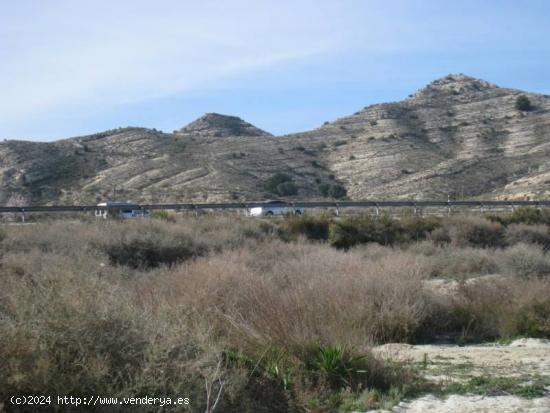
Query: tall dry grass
x=276 y=317
x=295 y=293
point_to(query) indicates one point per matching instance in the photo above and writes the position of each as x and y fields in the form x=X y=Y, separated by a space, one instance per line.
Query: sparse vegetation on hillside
x=523 y=103
x=206 y=159
x=336 y=191
x=281 y=184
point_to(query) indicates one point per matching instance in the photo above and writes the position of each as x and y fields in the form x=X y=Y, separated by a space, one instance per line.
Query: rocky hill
x=214 y=124
x=458 y=136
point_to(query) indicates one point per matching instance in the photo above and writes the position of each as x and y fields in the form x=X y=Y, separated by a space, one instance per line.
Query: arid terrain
x=516 y=365
x=311 y=313
x=458 y=136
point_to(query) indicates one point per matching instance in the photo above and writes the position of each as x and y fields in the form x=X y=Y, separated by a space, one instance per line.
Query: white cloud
x=59 y=54
x=65 y=52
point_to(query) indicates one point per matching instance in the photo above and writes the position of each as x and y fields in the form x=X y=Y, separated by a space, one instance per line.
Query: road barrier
x=301 y=204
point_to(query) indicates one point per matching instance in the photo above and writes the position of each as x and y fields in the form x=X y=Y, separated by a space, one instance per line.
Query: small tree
x=523 y=103
x=324 y=189
x=271 y=184
x=286 y=189
x=281 y=184
x=333 y=191
x=337 y=191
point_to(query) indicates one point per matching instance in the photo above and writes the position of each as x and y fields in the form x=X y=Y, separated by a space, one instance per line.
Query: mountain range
x=457 y=137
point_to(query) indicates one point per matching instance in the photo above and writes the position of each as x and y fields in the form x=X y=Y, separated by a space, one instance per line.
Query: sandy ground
x=474 y=404
x=523 y=358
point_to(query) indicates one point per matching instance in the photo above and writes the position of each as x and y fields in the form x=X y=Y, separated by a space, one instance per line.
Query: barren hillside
x=457 y=136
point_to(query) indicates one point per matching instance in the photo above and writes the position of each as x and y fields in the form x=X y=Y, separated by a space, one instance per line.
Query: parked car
x=274 y=207
x=124 y=210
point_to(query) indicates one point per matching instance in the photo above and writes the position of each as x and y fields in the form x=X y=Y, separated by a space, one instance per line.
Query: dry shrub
x=524 y=260
x=530 y=234
x=504 y=307
x=426 y=248
x=475 y=232
x=226 y=231
x=66 y=331
x=282 y=320
x=459 y=263
x=454 y=262
x=440 y=236
x=69 y=334
x=58 y=237
x=373 y=252
x=532 y=319
x=154 y=241
x=308 y=293
x=475 y=310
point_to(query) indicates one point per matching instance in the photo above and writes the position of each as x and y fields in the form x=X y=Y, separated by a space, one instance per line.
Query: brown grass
x=266 y=310
x=314 y=293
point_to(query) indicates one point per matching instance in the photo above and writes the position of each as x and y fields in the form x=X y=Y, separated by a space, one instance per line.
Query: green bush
x=417 y=228
x=286 y=189
x=527 y=215
x=153 y=251
x=337 y=366
x=383 y=230
x=523 y=215
x=363 y=229
x=319 y=370
x=281 y=184
x=523 y=103
x=337 y=191
x=313 y=228
x=344 y=235
x=324 y=189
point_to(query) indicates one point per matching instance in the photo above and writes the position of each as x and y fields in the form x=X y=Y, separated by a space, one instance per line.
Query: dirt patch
x=524 y=361
x=474 y=404
x=522 y=357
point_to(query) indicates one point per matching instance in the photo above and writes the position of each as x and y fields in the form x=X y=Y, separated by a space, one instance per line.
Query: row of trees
x=282 y=184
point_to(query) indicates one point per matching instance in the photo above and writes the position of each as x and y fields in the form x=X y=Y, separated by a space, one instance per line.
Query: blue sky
x=69 y=68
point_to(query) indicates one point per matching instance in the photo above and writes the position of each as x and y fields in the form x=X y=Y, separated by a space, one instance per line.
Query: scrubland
x=254 y=315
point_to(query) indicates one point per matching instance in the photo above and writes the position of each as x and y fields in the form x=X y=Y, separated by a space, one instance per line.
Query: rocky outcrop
x=214 y=124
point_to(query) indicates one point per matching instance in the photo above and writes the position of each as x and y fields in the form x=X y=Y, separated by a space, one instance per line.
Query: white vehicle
x=270 y=208
x=124 y=210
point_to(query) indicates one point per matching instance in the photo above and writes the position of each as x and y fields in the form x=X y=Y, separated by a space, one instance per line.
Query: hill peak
x=461 y=78
x=454 y=84
x=216 y=124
